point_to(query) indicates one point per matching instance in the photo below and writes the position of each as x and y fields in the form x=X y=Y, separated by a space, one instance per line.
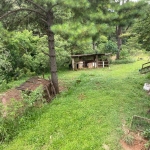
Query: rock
x=146 y=87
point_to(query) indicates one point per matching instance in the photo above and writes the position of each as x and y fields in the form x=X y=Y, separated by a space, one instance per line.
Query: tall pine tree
x=43 y=14
x=126 y=12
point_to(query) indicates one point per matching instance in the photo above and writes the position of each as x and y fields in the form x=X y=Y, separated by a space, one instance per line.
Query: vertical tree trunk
x=93 y=43
x=119 y=40
x=53 y=65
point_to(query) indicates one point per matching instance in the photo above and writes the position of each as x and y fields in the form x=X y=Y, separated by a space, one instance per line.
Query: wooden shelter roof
x=84 y=55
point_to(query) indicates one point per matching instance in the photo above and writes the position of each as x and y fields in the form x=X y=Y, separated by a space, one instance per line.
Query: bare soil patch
x=10 y=94
x=30 y=85
x=138 y=143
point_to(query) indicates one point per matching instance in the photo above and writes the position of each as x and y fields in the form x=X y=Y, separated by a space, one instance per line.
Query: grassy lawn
x=89 y=114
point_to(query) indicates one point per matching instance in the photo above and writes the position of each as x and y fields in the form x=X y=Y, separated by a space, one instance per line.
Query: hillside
x=87 y=116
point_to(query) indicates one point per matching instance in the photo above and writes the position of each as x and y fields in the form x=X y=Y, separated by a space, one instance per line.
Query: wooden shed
x=90 y=61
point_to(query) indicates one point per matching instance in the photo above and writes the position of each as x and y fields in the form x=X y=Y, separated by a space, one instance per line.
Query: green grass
x=89 y=114
x=4 y=85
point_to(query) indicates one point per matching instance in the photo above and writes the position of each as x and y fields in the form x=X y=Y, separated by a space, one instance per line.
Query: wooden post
x=73 y=63
x=75 y=66
x=103 y=64
x=48 y=93
x=96 y=61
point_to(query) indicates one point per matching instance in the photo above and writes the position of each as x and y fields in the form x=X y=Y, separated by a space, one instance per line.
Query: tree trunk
x=53 y=65
x=93 y=43
x=119 y=40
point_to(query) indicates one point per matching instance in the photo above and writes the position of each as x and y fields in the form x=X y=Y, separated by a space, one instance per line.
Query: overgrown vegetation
x=129 y=139
x=146 y=134
x=90 y=113
x=13 y=112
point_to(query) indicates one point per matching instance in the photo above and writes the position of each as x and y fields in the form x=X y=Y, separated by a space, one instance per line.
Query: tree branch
x=21 y=20
x=55 y=5
x=46 y=53
x=44 y=21
x=30 y=1
x=128 y=27
x=21 y=9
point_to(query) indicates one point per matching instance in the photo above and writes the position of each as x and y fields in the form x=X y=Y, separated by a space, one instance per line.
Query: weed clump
x=129 y=139
x=146 y=134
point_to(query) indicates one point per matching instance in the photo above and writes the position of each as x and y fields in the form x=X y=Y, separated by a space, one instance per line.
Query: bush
x=3 y=85
x=124 y=54
x=110 y=47
x=146 y=134
x=147 y=145
x=123 y=61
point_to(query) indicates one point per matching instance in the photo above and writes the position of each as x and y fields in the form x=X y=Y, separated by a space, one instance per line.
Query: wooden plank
x=145 y=70
x=145 y=64
x=48 y=93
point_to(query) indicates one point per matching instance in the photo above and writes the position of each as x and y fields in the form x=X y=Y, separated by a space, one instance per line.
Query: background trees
x=82 y=26
x=126 y=12
x=21 y=54
x=142 y=29
x=43 y=13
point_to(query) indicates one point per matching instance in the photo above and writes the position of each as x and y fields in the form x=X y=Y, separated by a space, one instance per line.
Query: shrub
x=123 y=61
x=147 y=145
x=31 y=98
x=146 y=134
x=124 y=54
x=3 y=85
x=129 y=139
x=110 y=47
